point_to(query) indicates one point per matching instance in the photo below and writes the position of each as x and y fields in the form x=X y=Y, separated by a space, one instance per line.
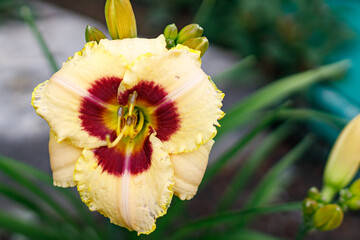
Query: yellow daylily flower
x=131 y=124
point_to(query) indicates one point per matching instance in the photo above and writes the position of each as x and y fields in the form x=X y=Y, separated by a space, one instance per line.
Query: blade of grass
x=228 y=217
x=229 y=154
x=30 y=173
x=242 y=234
x=268 y=183
x=28 y=17
x=302 y=114
x=31 y=230
x=248 y=169
x=277 y=91
x=24 y=200
x=21 y=177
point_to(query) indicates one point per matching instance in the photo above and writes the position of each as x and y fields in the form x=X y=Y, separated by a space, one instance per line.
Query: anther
x=132 y=99
x=120 y=114
x=129 y=120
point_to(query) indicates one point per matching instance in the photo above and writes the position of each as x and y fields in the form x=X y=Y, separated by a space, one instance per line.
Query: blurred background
x=252 y=43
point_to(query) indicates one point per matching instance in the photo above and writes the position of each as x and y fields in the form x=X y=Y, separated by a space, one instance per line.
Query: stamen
x=120 y=114
x=129 y=120
x=117 y=140
x=132 y=99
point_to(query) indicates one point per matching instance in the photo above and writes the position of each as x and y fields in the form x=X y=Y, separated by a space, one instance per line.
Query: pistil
x=130 y=122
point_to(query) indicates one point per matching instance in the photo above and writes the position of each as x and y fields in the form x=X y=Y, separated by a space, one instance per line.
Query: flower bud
x=355 y=187
x=328 y=217
x=354 y=202
x=120 y=19
x=188 y=32
x=171 y=32
x=314 y=193
x=200 y=44
x=309 y=206
x=344 y=160
x=93 y=34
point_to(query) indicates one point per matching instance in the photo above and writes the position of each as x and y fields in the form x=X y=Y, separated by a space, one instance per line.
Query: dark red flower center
x=100 y=117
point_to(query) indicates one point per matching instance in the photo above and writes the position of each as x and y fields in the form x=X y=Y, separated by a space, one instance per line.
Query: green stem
x=328 y=193
x=28 y=17
x=302 y=232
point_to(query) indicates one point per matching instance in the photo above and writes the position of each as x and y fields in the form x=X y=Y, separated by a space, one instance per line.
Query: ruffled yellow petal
x=59 y=100
x=189 y=169
x=63 y=158
x=133 y=201
x=133 y=48
x=195 y=99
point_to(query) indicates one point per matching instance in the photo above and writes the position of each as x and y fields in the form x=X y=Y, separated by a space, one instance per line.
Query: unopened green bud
x=314 y=193
x=355 y=187
x=171 y=32
x=188 y=32
x=200 y=44
x=120 y=19
x=309 y=206
x=328 y=217
x=354 y=203
x=345 y=194
x=93 y=34
x=170 y=43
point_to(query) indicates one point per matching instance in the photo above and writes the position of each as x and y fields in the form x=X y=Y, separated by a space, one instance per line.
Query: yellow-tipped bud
x=171 y=32
x=120 y=19
x=201 y=44
x=188 y=32
x=93 y=34
x=328 y=217
x=344 y=160
x=309 y=206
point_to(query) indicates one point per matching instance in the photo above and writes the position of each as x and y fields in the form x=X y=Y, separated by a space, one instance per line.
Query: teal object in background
x=341 y=98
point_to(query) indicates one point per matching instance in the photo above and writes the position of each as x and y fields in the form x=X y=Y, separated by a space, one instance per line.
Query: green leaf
x=249 y=235
x=277 y=91
x=28 y=177
x=31 y=230
x=247 y=170
x=238 y=234
x=23 y=199
x=229 y=217
x=270 y=181
x=229 y=154
x=24 y=178
x=302 y=114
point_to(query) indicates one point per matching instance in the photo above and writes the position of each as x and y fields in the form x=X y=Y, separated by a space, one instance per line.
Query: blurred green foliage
x=9 y=9
x=286 y=36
